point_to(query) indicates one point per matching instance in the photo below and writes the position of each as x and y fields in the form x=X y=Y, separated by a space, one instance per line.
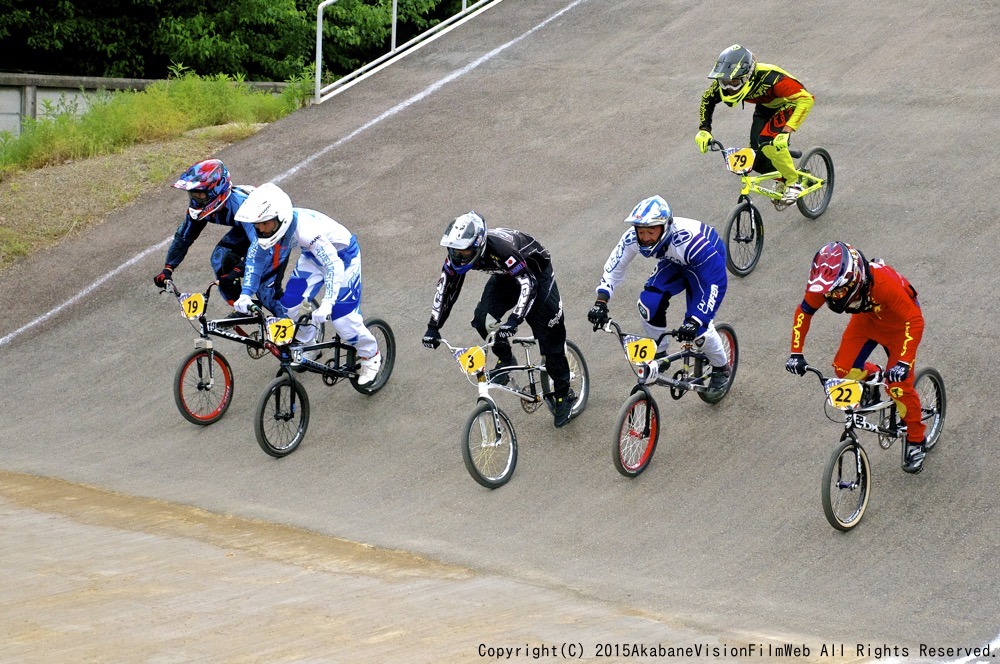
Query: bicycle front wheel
x=489 y=446
x=929 y=386
x=744 y=239
x=282 y=416
x=386 y=347
x=636 y=434
x=846 y=485
x=203 y=386
x=818 y=163
x=732 y=348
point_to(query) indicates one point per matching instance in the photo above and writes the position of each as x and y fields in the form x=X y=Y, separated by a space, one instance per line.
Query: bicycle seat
x=524 y=341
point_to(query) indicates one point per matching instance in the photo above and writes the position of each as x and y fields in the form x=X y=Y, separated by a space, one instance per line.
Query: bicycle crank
x=675 y=391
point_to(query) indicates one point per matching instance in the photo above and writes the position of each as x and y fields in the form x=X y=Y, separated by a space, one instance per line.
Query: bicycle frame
x=474 y=366
x=855 y=415
x=689 y=378
x=740 y=161
x=194 y=307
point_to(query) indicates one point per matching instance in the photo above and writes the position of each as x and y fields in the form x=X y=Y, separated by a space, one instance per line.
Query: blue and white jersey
x=324 y=242
x=694 y=249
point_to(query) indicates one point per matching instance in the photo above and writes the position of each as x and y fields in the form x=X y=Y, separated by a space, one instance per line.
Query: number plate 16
x=640 y=351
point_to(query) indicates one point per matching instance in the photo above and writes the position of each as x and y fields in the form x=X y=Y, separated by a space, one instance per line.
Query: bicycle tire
x=929 y=386
x=490 y=461
x=732 y=346
x=744 y=239
x=282 y=416
x=387 y=347
x=579 y=380
x=818 y=162
x=634 y=447
x=846 y=485
x=197 y=402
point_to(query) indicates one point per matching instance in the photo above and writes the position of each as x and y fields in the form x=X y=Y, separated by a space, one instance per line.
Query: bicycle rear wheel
x=579 y=380
x=636 y=434
x=282 y=416
x=203 y=386
x=846 y=485
x=732 y=348
x=929 y=386
x=490 y=456
x=818 y=163
x=744 y=239
x=386 y=347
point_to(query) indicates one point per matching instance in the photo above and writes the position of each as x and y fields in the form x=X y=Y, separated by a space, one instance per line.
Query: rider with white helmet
x=690 y=257
x=329 y=266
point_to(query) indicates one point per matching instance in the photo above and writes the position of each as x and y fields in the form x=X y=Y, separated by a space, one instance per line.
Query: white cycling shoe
x=369 y=368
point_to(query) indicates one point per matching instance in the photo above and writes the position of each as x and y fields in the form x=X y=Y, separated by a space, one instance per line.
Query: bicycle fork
x=202 y=343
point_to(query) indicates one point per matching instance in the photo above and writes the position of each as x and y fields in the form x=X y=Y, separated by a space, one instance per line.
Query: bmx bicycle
x=847 y=478
x=489 y=441
x=744 y=232
x=637 y=429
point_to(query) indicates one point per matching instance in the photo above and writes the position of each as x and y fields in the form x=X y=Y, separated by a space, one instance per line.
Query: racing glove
x=702 y=139
x=432 y=337
x=598 y=315
x=780 y=141
x=689 y=330
x=898 y=373
x=243 y=304
x=163 y=277
x=508 y=329
x=796 y=364
x=322 y=312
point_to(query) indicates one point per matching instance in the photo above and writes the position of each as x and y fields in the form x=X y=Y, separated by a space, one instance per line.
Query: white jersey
x=327 y=244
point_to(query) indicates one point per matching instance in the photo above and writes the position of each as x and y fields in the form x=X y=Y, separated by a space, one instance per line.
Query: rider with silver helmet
x=329 y=266
x=522 y=282
x=885 y=312
x=782 y=104
x=690 y=257
x=213 y=199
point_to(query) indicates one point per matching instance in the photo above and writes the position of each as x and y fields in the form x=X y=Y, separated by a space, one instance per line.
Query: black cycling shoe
x=564 y=408
x=720 y=376
x=915 y=453
x=504 y=377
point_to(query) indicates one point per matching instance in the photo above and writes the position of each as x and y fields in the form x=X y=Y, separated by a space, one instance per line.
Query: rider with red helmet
x=885 y=312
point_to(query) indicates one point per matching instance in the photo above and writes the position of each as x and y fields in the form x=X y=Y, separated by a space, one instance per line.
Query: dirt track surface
x=560 y=133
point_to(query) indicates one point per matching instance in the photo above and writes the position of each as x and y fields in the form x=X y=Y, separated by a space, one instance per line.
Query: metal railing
x=325 y=92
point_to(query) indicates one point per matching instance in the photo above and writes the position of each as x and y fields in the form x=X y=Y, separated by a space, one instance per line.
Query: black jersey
x=509 y=253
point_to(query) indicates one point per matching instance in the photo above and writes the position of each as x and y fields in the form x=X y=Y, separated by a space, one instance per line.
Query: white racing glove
x=322 y=312
x=243 y=304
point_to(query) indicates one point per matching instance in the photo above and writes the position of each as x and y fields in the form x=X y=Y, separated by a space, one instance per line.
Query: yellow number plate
x=193 y=305
x=472 y=359
x=741 y=161
x=843 y=393
x=281 y=330
x=640 y=351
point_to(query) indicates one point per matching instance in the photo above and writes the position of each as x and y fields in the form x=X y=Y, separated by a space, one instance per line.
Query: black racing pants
x=545 y=318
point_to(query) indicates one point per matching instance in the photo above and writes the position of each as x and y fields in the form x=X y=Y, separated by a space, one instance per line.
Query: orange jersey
x=894 y=312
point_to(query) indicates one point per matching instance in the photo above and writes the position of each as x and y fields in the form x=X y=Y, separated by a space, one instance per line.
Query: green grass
x=125 y=144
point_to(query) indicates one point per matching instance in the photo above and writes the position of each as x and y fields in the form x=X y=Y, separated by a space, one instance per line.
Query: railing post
x=319 y=44
x=394 y=14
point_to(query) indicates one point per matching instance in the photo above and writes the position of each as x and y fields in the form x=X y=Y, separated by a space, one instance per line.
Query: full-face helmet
x=650 y=212
x=265 y=204
x=840 y=272
x=733 y=70
x=209 y=185
x=465 y=239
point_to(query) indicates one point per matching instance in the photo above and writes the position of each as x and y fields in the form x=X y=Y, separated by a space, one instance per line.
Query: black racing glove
x=432 y=338
x=689 y=330
x=508 y=329
x=598 y=315
x=163 y=277
x=796 y=364
x=898 y=373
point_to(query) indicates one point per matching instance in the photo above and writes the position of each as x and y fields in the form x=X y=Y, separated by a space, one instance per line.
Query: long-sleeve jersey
x=770 y=86
x=508 y=252
x=190 y=229
x=322 y=241
x=695 y=248
x=893 y=308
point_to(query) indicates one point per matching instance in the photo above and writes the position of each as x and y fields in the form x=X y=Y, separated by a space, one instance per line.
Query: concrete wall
x=25 y=95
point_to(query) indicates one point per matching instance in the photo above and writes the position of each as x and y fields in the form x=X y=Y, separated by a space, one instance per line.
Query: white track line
x=431 y=89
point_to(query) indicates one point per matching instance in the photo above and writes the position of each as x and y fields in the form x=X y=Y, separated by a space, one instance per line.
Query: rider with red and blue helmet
x=690 y=257
x=522 y=282
x=885 y=312
x=213 y=199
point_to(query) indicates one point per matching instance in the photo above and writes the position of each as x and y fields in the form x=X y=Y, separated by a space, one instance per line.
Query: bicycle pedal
x=780 y=206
